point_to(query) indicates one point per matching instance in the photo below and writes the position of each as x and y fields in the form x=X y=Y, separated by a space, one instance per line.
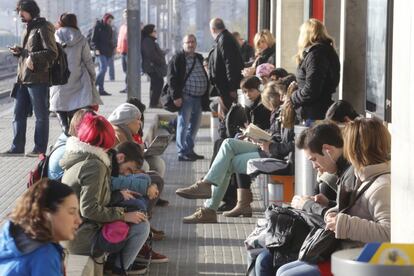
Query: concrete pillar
x=289 y=17
x=332 y=19
x=260 y=15
x=273 y=16
x=402 y=177
x=352 y=52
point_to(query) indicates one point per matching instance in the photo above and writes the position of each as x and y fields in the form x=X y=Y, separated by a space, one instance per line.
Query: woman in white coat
x=80 y=91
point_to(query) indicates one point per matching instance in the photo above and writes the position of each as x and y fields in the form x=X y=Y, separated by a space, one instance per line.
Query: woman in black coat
x=153 y=63
x=317 y=72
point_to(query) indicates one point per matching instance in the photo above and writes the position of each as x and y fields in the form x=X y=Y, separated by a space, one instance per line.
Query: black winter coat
x=317 y=76
x=225 y=64
x=247 y=52
x=267 y=56
x=102 y=39
x=176 y=73
x=283 y=144
x=153 y=58
x=258 y=114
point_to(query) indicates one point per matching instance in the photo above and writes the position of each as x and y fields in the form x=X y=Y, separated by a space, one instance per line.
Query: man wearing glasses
x=188 y=84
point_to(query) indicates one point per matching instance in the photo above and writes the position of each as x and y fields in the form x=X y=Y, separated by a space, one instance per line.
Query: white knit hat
x=124 y=114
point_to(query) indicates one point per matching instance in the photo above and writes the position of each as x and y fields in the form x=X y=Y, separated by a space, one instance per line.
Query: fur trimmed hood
x=77 y=151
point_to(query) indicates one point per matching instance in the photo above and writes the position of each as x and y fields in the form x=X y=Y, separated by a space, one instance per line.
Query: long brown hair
x=366 y=142
x=32 y=208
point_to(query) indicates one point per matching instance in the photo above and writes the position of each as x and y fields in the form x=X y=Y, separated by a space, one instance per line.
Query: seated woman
x=46 y=214
x=367 y=146
x=88 y=171
x=341 y=112
x=264 y=44
x=232 y=158
x=126 y=121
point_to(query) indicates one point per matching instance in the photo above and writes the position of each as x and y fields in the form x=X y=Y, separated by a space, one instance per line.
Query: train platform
x=202 y=249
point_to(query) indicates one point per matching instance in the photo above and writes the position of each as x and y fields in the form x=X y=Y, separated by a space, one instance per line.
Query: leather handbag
x=320 y=242
x=167 y=99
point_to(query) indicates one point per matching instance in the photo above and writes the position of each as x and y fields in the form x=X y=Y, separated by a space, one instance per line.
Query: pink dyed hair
x=96 y=131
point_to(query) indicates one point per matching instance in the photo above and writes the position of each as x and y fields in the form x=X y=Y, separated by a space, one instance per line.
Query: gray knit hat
x=124 y=114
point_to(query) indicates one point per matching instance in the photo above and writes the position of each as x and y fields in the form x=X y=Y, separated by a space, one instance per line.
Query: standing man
x=103 y=44
x=224 y=65
x=36 y=55
x=247 y=51
x=188 y=82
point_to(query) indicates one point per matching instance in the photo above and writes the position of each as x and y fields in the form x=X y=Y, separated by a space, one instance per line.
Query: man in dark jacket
x=36 y=55
x=323 y=146
x=247 y=51
x=224 y=64
x=103 y=44
x=188 y=83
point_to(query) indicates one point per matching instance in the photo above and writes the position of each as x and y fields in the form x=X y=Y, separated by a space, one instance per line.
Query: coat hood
x=15 y=243
x=68 y=36
x=77 y=151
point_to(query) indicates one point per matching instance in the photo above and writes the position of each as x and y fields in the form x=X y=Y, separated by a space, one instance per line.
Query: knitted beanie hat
x=124 y=114
x=264 y=70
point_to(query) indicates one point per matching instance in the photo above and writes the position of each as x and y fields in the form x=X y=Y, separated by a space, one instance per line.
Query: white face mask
x=247 y=102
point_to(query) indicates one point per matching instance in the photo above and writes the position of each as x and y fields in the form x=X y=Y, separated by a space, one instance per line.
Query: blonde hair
x=312 y=32
x=366 y=142
x=264 y=35
x=271 y=96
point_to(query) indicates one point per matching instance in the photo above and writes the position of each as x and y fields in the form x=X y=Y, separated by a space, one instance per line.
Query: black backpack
x=287 y=230
x=59 y=70
x=41 y=168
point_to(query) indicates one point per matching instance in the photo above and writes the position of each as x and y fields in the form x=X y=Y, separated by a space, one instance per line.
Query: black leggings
x=64 y=119
x=156 y=85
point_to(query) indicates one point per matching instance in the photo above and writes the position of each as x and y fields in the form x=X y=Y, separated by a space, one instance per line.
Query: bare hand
x=330 y=220
x=127 y=194
x=248 y=71
x=265 y=146
x=97 y=52
x=178 y=102
x=29 y=63
x=15 y=50
x=153 y=191
x=321 y=199
x=135 y=217
x=298 y=201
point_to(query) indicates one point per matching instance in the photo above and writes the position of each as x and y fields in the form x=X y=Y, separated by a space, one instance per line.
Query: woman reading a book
x=233 y=156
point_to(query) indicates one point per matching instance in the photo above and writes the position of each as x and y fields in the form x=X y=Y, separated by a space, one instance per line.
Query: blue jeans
x=264 y=264
x=111 y=68
x=34 y=96
x=102 y=67
x=231 y=158
x=137 y=235
x=124 y=59
x=188 y=123
x=298 y=268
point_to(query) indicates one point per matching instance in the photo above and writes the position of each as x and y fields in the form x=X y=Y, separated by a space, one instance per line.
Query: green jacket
x=39 y=43
x=88 y=172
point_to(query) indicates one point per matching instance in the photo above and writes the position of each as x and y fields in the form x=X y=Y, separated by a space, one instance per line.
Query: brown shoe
x=199 y=190
x=202 y=215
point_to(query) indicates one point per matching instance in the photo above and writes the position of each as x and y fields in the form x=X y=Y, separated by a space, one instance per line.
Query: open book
x=256 y=133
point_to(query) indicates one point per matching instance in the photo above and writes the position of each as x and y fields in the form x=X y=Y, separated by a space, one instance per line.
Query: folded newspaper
x=256 y=133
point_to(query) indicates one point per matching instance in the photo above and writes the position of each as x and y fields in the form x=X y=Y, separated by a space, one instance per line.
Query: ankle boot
x=243 y=208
